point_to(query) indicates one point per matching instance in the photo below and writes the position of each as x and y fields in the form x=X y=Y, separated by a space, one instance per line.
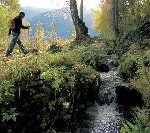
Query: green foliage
x=92 y=56
x=141 y=123
x=3 y=20
x=6 y=13
x=10 y=115
x=59 y=78
x=7 y=95
x=130 y=13
x=138 y=127
x=133 y=14
x=95 y=56
x=128 y=67
x=6 y=92
x=47 y=81
x=134 y=68
x=103 y=20
x=12 y=5
x=142 y=83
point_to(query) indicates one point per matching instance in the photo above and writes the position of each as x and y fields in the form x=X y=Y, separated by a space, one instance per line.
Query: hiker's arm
x=24 y=27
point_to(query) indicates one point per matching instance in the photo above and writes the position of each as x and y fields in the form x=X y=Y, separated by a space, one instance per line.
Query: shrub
x=141 y=124
x=135 y=69
x=54 y=48
x=45 y=94
x=128 y=67
x=37 y=88
x=94 y=55
x=138 y=127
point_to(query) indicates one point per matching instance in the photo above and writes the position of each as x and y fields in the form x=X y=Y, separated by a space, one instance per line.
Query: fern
x=138 y=127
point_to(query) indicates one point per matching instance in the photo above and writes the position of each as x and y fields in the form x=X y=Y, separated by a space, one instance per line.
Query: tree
x=118 y=17
x=53 y=32
x=115 y=17
x=81 y=10
x=80 y=27
x=8 y=9
x=39 y=34
x=11 y=4
x=103 y=19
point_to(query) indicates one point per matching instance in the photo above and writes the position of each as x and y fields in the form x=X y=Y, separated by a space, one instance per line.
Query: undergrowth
x=135 y=69
x=40 y=86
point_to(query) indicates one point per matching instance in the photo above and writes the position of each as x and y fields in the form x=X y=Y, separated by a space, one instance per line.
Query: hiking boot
x=7 y=55
x=26 y=52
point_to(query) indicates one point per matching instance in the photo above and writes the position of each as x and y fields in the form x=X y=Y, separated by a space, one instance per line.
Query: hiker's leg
x=12 y=44
x=22 y=47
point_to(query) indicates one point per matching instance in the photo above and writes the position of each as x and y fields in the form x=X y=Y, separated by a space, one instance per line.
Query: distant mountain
x=61 y=17
x=32 y=12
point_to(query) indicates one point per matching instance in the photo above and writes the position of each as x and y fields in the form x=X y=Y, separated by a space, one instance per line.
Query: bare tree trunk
x=117 y=18
x=80 y=27
x=81 y=10
x=115 y=12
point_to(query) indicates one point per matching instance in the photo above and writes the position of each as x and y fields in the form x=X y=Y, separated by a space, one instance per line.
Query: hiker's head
x=22 y=14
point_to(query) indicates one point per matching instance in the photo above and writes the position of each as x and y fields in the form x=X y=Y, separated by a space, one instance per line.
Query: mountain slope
x=62 y=19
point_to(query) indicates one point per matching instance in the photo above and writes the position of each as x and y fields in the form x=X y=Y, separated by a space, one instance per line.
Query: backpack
x=11 y=23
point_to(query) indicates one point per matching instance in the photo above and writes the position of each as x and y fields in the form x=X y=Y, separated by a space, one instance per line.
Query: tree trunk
x=115 y=12
x=81 y=10
x=116 y=18
x=80 y=27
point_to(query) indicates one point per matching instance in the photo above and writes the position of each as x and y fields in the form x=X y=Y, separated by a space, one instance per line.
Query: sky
x=56 y=4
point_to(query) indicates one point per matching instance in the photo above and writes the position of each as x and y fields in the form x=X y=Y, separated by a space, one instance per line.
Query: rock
x=112 y=63
x=33 y=50
x=105 y=97
x=82 y=106
x=67 y=116
x=102 y=67
x=54 y=48
x=128 y=97
x=87 y=92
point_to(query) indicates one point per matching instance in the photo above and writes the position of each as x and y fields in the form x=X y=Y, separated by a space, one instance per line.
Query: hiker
x=15 y=30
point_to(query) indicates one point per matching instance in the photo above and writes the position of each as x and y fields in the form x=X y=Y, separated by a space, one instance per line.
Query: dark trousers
x=16 y=40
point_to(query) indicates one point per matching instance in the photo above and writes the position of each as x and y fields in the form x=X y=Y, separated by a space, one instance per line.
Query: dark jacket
x=18 y=25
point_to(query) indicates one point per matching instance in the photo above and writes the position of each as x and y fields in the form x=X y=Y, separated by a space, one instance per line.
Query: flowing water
x=103 y=116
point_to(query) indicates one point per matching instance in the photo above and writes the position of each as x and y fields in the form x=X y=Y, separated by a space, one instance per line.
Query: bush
x=37 y=88
x=135 y=69
x=141 y=124
x=54 y=48
x=94 y=56
x=128 y=67
x=46 y=94
x=138 y=127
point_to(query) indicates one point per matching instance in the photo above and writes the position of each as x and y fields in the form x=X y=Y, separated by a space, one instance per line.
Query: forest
x=83 y=84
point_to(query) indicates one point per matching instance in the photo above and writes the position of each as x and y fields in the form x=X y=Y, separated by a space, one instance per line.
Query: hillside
x=81 y=84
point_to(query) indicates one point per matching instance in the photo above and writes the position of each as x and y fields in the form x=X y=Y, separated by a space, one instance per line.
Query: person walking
x=15 y=30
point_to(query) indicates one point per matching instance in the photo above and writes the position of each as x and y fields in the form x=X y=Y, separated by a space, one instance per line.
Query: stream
x=103 y=116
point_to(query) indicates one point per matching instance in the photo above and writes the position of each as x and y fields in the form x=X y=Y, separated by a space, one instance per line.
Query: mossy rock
x=33 y=50
x=54 y=48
